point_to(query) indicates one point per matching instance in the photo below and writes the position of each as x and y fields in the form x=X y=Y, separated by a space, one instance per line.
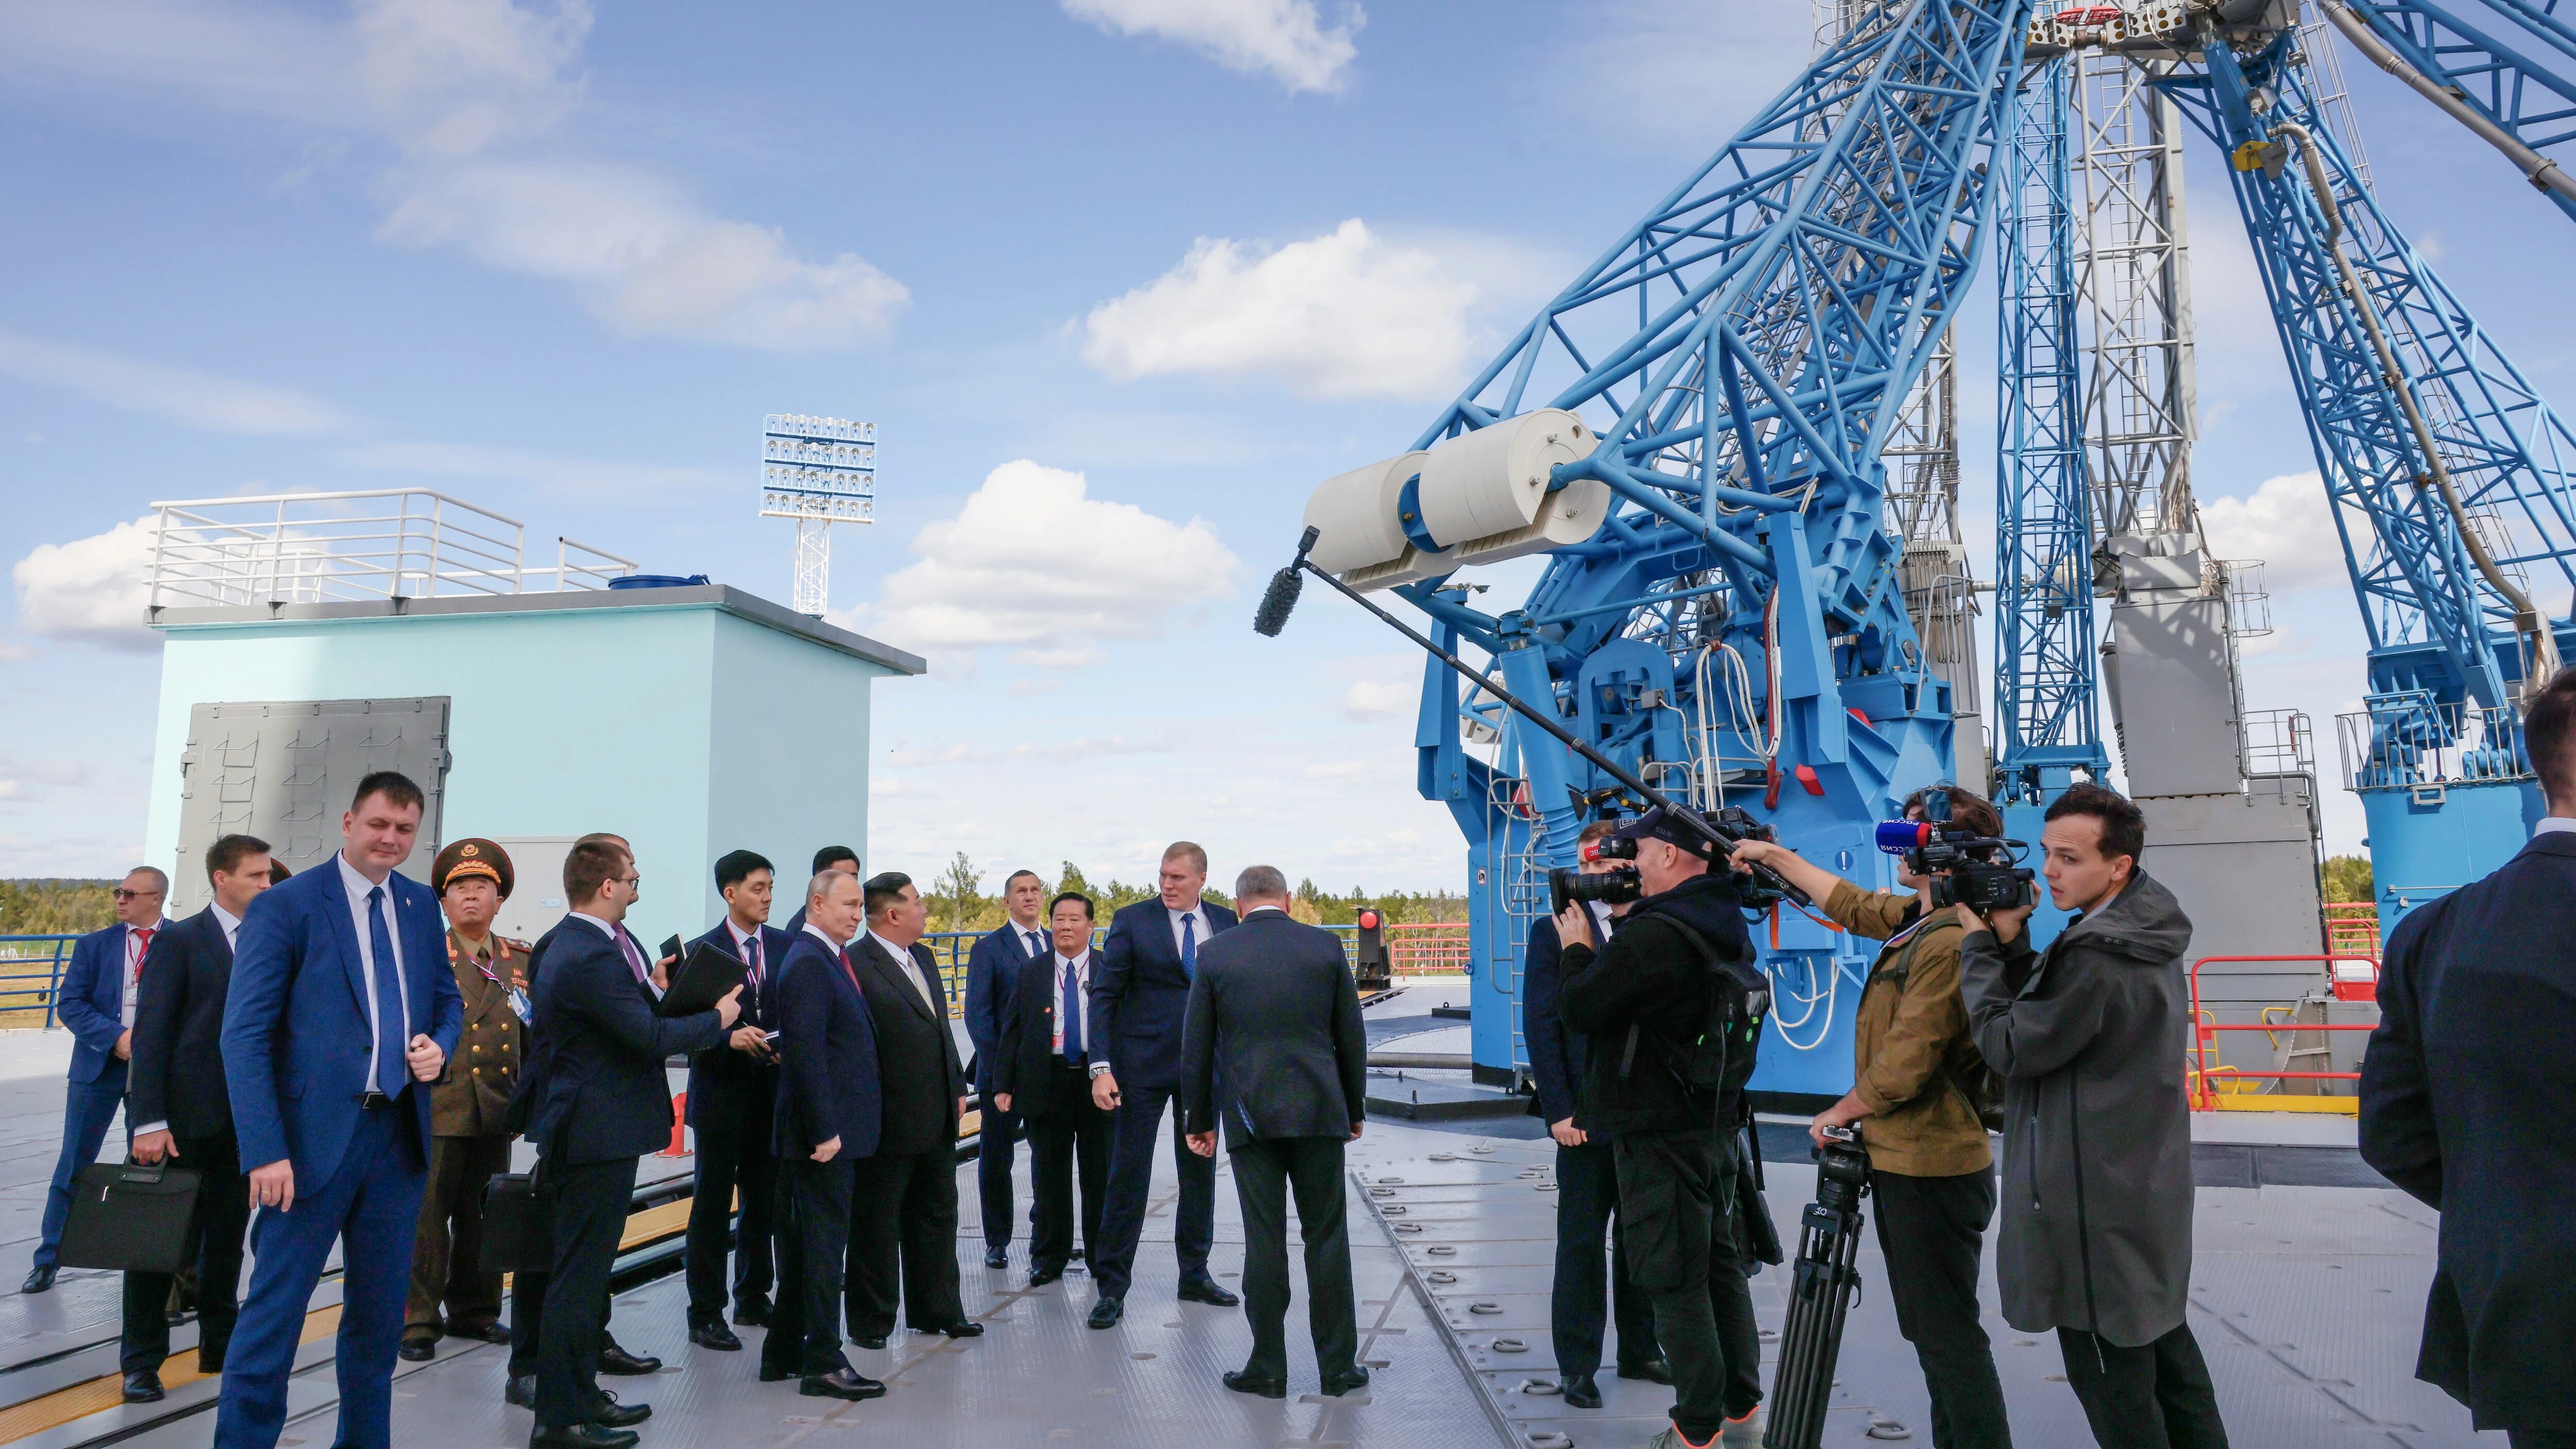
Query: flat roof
x=750 y=607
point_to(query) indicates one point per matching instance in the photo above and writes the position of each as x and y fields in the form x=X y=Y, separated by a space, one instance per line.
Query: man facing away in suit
x=1274 y=1048
x=1139 y=994
x=341 y=1009
x=602 y=1102
x=2463 y=1093
x=903 y=1212
x=731 y=1091
x=831 y=857
x=826 y=1120
x=177 y=1095
x=992 y=981
x=1042 y=1075
x=99 y=993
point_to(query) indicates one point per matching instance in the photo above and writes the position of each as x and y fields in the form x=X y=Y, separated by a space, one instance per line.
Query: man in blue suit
x=829 y=1111
x=1140 y=997
x=731 y=1089
x=99 y=993
x=992 y=986
x=341 y=1005
x=2462 y=1101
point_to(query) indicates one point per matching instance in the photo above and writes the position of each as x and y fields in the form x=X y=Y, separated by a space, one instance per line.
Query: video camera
x=1620 y=886
x=1974 y=878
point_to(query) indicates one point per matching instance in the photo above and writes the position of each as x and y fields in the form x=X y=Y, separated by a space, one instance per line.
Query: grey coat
x=2096 y=1191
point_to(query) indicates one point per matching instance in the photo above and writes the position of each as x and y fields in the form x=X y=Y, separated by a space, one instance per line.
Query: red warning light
x=1368 y=920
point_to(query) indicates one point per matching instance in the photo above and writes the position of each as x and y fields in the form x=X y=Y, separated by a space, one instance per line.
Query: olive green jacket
x=1911 y=1047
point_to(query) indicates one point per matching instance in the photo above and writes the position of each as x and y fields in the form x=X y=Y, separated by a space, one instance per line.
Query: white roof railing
x=313 y=548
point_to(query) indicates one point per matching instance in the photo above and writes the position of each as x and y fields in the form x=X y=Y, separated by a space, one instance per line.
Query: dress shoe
x=174 y=1318
x=615 y=1360
x=620 y=1416
x=997 y=1257
x=1205 y=1290
x=210 y=1363
x=1107 y=1312
x=1652 y=1370
x=40 y=1279
x=967 y=1328
x=143 y=1386
x=1040 y=1277
x=482 y=1333
x=1245 y=1381
x=868 y=1341
x=1579 y=1391
x=583 y=1436
x=715 y=1336
x=418 y=1350
x=1349 y=1381
x=840 y=1384
x=521 y=1391
x=751 y=1311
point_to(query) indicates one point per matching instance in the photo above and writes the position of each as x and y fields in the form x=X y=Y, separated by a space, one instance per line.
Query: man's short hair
x=160 y=878
x=820 y=887
x=2549 y=737
x=228 y=851
x=1260 y=883
x=832 y=855
x=735 y=866
x=607 y=835
x=395 y=786
x=885 y=889
x=589 y=865
x=2124 y=825
x=1179 y=848
x=1014 y=877
x=1089 y=911
x=1968 y=809
x=1595 y=829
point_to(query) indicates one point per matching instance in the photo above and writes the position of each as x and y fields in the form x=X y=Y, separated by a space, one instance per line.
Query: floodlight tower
x=818 y=471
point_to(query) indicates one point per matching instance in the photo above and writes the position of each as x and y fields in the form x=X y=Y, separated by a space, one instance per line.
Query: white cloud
x=1371 y=699
x=588 y=475
x=1345 y=314
x=1342 y=770
x=1033 y=563
x=962 y=753
x=1687 y=72
x=21 y=780
x=2288 y=524
x=199 y=400
x=12 y=652
x=93 y=589
x=1284 y=37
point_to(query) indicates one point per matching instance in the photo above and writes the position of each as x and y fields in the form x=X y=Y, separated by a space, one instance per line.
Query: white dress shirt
x=2549 y=823
x=1033 y=942
x=357 y=886
x=747 y=949
x=911 y=970
x=1081 y=967
x=1198 y=922
x=135 y=946
x=231 y=924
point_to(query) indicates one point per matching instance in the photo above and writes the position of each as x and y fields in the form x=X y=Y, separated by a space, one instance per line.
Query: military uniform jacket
x=471 y=1100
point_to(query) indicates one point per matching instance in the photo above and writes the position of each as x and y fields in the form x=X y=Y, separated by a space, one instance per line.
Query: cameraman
x=1647 y=1000
x=2097 y=1139
x=1916 y=1075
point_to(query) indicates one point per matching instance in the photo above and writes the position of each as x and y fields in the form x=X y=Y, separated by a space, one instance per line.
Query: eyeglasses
x=122 y=894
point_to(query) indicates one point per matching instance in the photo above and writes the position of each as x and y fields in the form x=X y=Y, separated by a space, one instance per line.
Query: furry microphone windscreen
x=1278 y=601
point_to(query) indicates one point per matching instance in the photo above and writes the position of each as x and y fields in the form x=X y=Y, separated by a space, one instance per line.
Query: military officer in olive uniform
x=472 y=878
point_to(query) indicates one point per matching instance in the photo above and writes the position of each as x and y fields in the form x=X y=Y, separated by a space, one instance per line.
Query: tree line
x=957 y=901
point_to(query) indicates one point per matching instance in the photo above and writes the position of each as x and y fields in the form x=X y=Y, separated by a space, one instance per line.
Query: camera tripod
x=1822 y=1288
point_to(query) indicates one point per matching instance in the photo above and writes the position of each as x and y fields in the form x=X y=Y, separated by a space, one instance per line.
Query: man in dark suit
x=97 y=1002
x=601 y=1104
x=903 y=1213
x=1042 y=1075
x=992 y=980
x=731 y=1089
x=341 y=1007
x=831 y=857
x=1581 y=1295
x=1139 y=995
x=826 y=1121
x=1274 y=1048
x=177 y=1096
x=2462 y=1095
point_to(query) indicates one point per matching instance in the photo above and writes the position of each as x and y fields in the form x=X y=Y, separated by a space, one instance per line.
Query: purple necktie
x=634 y=957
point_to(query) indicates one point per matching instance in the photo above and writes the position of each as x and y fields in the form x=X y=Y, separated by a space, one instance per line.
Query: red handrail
x=2204 y=1097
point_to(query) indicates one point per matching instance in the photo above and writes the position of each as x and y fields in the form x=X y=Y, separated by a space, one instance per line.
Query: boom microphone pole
x=1281 y=598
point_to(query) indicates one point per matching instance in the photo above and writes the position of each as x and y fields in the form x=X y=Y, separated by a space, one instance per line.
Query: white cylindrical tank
x=1494 y=479
x=1354 y=515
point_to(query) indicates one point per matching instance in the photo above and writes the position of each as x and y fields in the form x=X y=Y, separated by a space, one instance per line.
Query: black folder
x=130 y=1218
x=701 y=980
x=518 y=1224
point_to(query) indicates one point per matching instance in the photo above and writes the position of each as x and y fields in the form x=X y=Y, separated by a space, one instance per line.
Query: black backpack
x=1722 y=1057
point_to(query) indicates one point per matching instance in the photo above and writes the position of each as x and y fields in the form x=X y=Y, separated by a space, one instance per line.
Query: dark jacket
x=720 y=1078
x=177 y=1074
x=2463 y=1104
x=992 y=993
x=1140 y=995
x=1644 y=999
x=2096 y=1196
x=1023 y=1058
x=827 y=1045
x=1273 y=1043
x=919 y=1078
x=1559 y=1055
x=473 y=1099
x=599 y=1050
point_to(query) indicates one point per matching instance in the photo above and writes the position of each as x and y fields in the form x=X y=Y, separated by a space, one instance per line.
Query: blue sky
x=559 y=260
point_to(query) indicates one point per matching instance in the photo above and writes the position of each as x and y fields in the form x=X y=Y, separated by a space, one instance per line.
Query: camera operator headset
x=1673 y=1007
x=1920 y=1098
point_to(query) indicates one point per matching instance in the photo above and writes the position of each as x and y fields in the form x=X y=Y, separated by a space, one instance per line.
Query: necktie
x=634 y=957
x=1032 y=943
x=1068 y=1020
x=751 y=958
x=142 y=943
x=1190 y=945
x=392 y=1072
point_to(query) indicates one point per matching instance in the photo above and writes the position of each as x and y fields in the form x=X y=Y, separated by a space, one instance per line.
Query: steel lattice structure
x=2476 y=59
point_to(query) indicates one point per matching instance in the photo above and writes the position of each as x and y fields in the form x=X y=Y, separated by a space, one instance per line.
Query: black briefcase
x=130 y=1218
x=518 y=1224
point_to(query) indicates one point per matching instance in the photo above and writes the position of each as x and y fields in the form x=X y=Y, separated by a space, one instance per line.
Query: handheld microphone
x=1899 y=836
